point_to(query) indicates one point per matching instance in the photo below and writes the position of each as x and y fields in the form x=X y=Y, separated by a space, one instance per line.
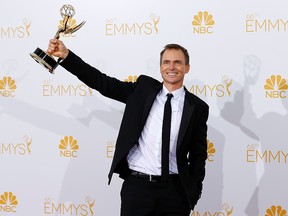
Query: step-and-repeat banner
x=57 y=136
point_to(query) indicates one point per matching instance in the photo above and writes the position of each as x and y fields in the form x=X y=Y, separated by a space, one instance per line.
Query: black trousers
x=139 y=197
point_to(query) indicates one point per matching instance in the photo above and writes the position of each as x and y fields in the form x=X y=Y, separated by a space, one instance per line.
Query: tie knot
x=169 y=96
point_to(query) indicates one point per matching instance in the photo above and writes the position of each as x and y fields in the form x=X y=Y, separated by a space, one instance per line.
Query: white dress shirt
x=146 y=157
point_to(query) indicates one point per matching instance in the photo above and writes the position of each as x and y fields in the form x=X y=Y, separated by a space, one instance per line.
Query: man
x=147 y=189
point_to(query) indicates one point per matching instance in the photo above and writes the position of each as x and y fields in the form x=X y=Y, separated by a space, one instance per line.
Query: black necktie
x=166 y=138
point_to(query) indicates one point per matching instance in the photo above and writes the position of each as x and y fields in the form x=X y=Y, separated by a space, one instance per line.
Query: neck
x=171 y=87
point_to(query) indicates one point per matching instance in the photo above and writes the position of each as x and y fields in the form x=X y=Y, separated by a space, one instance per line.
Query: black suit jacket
x=191 y=150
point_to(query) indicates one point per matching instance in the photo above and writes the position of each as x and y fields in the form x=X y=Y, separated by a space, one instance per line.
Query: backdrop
x=57 y=136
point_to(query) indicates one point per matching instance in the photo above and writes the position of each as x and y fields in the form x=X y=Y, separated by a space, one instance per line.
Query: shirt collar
x=175 y=93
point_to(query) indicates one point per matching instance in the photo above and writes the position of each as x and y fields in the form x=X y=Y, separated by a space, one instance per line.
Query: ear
x=187 y=68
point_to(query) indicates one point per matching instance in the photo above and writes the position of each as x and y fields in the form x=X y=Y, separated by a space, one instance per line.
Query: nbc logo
x=71 y=23
x=276 y=211
x=7 y=87
x=8 y=202
x=276 y=87
x=210 y=151
x=203 y=23
x=131 y=79
x=68 y=147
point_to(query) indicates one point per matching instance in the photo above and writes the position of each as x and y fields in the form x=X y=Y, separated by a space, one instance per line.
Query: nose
x=171 y=66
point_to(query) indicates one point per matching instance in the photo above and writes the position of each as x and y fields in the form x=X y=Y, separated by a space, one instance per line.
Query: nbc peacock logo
x=8 y=202
x=68 y=147
x=210 y=151
x=276 y=211
x=276 y=87
x=203 y=23
x=131 y=79
x=7 y=87
x=71 y=23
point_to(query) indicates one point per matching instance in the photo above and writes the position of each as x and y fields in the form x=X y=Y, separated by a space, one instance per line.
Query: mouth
x=171 y=73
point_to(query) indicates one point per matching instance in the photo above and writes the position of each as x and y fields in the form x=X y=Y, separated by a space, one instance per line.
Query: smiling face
x=173 y=68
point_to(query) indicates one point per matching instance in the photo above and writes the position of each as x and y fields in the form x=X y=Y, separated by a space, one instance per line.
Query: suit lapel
x=148 y=104
x=186 y=116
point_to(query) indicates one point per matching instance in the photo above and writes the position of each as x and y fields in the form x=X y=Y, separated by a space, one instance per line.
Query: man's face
x=173 y=68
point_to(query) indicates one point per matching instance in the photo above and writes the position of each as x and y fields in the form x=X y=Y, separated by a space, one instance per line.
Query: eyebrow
x=177 y=61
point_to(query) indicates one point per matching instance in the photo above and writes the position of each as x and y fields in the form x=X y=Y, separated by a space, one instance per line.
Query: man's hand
x=57 y=48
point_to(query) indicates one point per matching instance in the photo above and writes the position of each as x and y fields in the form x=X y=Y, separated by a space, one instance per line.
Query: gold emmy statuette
x=43 y=58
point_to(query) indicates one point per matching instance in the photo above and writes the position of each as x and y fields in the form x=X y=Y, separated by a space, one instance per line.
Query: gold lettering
x=76 y=208
x=149 y=28
x=192 y=89
x=21 y=33
x=55 y=208
x=196 y=30
x=68 y=209
x=65 y=91
x=14 y=31
x=140 y=28
x=248 y=25
x=220 y=90
x=47 y=207
x=210 y=158
x=12 y=93
x=85 y=211
x=5 y=33
x=109 y=29
x=209 y=31
x=195 y=213
x=201 y=91
x=260 y=26
x=273 y=26
x=261 y=156
x=4 y=149
x=285 y=24
x=274 y=157
x=110 y=151
x=211 y=89
x=116 y=29
x=282 y=94
x=83 y=90
x=45 y=90
x=22 y=149
x=285 y=156
x=269 y=94
x=55 y=90
x=128 y=30
x=250 y=153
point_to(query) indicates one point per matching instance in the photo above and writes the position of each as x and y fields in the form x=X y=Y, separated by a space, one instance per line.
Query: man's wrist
x=65 y=54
